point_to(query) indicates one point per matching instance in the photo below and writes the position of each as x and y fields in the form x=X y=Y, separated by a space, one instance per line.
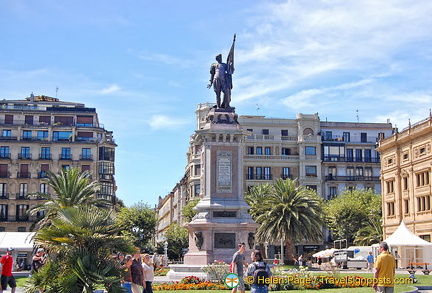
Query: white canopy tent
x=408 y=247
x=21 y=242
x=324 y=253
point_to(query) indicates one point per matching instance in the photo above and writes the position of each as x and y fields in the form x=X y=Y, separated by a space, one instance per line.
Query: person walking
x=6 y=277
x=385 y=267
x=370 y=261
x=38 y=260
x=137 y=272
x=238 y=265
x=259 y=270
x=127 y=275
x=148 y=271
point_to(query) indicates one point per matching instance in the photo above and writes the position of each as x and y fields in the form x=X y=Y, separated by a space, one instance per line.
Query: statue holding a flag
x=221 y=78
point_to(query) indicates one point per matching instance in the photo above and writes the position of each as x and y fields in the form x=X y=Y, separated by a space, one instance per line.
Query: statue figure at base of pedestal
x=221 y=78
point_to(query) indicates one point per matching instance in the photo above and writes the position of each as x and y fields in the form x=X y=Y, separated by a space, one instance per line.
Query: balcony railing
x=8 y=138
x=45 y=157
x=351 y=159
x=86 y=158
x=21 y=195
x=25 y=156
x=352 y=178
x=259 y=176
x=4 y=195
x=4 y=174
x=353 y=139
x=23 y=175
x=65 y=157
x=5 y=156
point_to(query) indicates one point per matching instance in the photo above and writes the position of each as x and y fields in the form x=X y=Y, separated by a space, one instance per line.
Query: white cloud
x=110 y=89
x=160 y=121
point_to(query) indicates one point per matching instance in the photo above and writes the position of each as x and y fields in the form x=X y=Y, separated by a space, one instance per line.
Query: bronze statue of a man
x=221 y=78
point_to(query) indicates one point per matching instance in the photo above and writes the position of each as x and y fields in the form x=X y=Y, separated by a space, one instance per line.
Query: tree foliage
x=139 y=224
x=355 y=213
x=71 y=188
x=287 y=211
x=188 y=211
x=80 y=241
x=177 y=238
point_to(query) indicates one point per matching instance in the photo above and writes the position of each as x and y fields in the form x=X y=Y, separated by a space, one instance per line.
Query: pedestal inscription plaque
x=224 y=172
x=224 y=240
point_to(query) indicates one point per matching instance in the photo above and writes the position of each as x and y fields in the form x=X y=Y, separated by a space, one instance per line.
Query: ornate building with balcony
x=406 y=179
x=327 y=157
x=41 y=134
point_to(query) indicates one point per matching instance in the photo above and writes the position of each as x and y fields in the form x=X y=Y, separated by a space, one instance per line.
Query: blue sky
x=145 y=65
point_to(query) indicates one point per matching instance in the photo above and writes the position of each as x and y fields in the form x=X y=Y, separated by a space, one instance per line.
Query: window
x=66 y=167
x=21 y=229
x=422 y=178
x=42 y=135
x=286 y=152
x=65 y=154
x=284 y=132
x=9 y=119
x=423 y=203
x=3 y=212
x=4 y=152
x=3 y=190
x=251 y=130
x=21 y=212
x=390 y=186
x=310 y=151
x=24 y=171
x=43 y=188
x=267 y=173
x=267 y=151
x=197 y=169
x=88 y=136
x=406 y=206
x=25 y=153
x=62 y=135
x=312 y=187
x=328 y=135
x=6 y=133
x=45 y=120
x=63 y=120
x=426 y=237
x=259 y=174
x=43 y=169
x=84 y=120
x=332 y=172
x=4 y=171
x=197 y=190
x=23 y=188
x=106 y=154
x=265 y=131
x=27 y=135
x=259 y=150
x=405 y=183
x=363 y=137
x=405 y=156
x=359 y=156
x=359 y=171
x=45 y=153
x=346 y=136
x=350 y=173
x=250 y=150
x=350 y=155
x=108 y=188
x=390 y=209
x=368 y=156
x=311 y=171
x=332 y=192
x=250 y=173
x=286 y=172
x=106 y=168
x=86 y=153
x=368 y=172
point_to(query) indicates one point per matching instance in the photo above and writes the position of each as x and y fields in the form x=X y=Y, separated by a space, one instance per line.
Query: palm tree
x=286 y=211
x=71 y=189
x=80 y=241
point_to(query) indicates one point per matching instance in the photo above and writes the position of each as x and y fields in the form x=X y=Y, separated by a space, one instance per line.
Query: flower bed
x=188 y=283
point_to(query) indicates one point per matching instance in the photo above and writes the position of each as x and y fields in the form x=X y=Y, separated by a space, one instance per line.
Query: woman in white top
x=148 y=274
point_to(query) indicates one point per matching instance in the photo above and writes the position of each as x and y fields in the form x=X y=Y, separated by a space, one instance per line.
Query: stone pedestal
x=222 y=220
